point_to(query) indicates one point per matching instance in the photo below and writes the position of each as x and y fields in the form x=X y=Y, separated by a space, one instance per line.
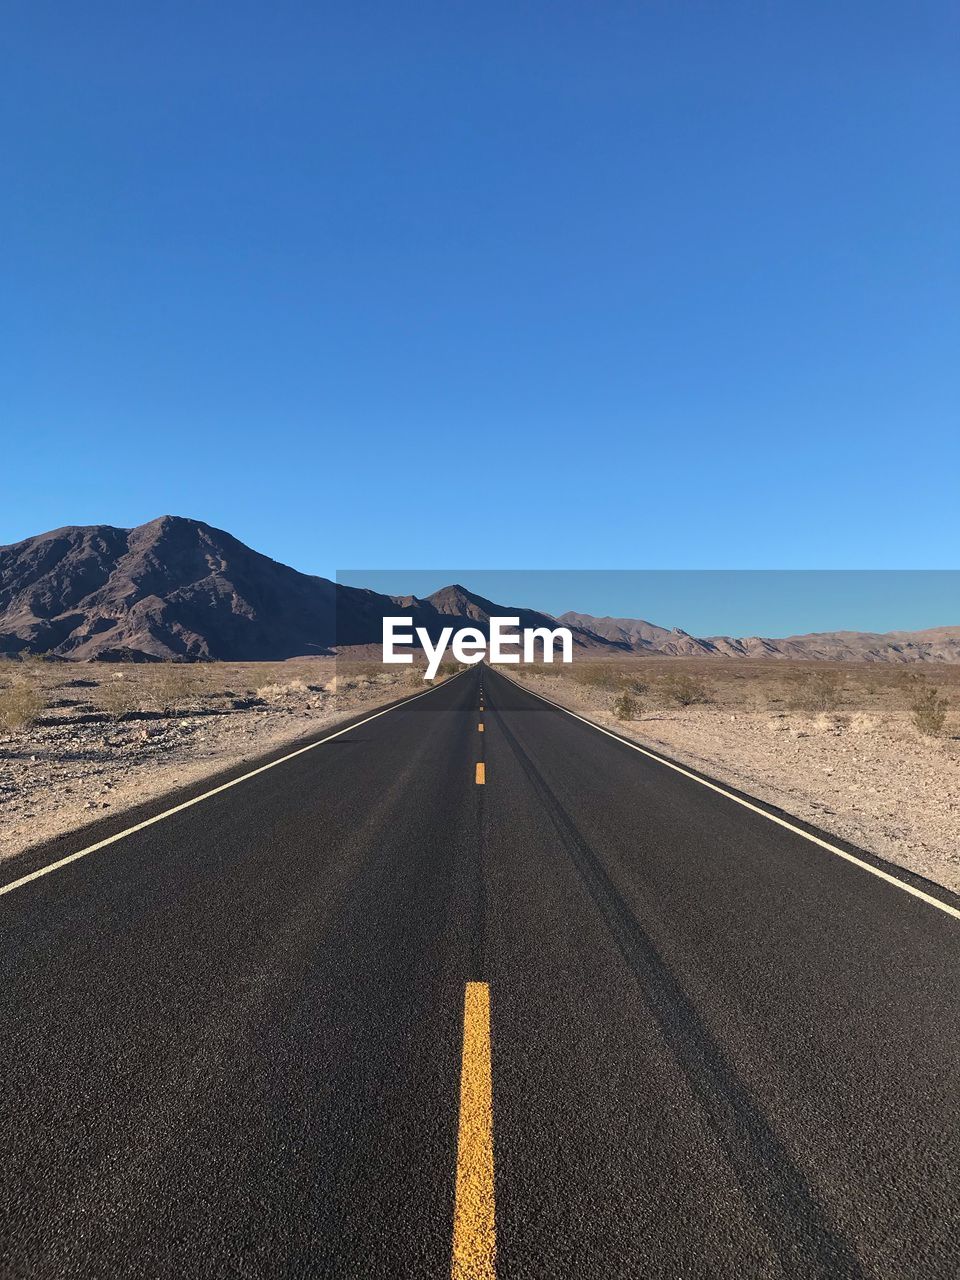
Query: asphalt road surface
x=376 y=1011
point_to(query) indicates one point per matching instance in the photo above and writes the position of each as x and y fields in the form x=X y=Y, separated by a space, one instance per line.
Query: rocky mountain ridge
x=937 y=644
x=177 y=588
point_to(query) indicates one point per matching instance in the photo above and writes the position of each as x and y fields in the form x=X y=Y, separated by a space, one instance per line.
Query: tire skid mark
x=781 y=1198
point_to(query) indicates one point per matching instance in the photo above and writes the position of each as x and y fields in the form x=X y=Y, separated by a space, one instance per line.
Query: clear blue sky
x=659 y=284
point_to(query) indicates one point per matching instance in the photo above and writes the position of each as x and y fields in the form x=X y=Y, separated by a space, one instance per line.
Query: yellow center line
x=481 y=774
x=479 y=728
x=474 y=1225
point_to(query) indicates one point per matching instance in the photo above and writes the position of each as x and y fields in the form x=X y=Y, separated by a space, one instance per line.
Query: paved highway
x=428 y=1000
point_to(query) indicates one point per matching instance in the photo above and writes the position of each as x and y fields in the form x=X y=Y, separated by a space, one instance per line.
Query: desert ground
x=856 y=748
x=869 y=752
x=81 y=739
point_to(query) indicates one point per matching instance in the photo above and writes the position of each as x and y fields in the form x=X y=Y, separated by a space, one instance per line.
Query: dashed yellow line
x=481 y=774
x=474 y=1220
x=479 y=728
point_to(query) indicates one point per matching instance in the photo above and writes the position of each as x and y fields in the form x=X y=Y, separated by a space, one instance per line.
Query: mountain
x=638 y=636
x=456 y=606
x=938 y=644
x=173 y=588
x=179 y=588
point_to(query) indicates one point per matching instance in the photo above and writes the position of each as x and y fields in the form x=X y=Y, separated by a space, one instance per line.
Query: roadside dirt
x=108 y=737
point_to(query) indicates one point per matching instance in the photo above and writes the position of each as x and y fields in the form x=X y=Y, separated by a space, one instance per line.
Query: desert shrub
x=908 y=680
x=447 y=669
x=33 y=661
x=814 y=692
x=684 y=689
x=172 y=683
x=20 y=705
x=597 y=676
x=626 y=706
x=353 y=675
x=271 y=692
x=929 y=712
x=118 y=696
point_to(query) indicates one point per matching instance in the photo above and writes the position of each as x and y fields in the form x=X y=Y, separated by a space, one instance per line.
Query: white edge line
x=746 y=804
x=188 y=804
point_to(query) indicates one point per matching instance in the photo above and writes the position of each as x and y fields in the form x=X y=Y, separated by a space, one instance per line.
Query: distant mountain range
x=937 y=644
x=178 y=588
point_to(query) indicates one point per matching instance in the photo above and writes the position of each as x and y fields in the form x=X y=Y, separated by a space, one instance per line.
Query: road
x=260 y=1036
